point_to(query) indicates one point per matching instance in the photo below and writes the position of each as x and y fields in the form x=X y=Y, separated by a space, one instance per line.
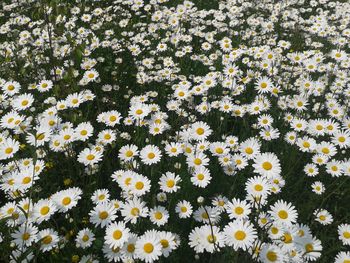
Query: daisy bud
x=200 y=199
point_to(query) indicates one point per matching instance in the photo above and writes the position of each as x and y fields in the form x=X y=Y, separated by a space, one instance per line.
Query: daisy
x=84 y=131
x=67 y=199
x=173 y=149
x=258 y=186
x=169 y=182
x=267 y=164
x=238 y=209
x=25 y=235
x=133 y=209
x=10 y=88
x=100 y=196
x=111 y=254
x=342 y=139
x=74 y=100
x=311 y=170
x=318 y=187
x=148 y=247
x=49 y=239
x=271 y=253
x=150 y=154
x=8 y=148
x=344 y=233
x=342 y=257
x=84 y=238
x=218 y=149
x=265 y=120
x=240 y=161
x=168 y=242
x=200 y=131
x=42 y=135
x=184 y=209
x=159 y=215
x=283 y=212
x=207 y=214
x=250 y=148
x=102 y=214
x=43 y=210
x=139 y=111
x=128 y=152
x=197 y=160
x=67 y=135
x=334 y=168
x=211 y=238
x=201 y=177
x=128 y=249
x=310 y=247
x=116 y=234
x=23 y=101
x=140 y=185
x=44 y=85
x=263 y=85
x=91 y=75
x=240 y=234
x=89 y=157
x=111 y=118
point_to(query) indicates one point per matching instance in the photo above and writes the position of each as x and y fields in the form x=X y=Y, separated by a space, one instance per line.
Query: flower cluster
x=143 y=131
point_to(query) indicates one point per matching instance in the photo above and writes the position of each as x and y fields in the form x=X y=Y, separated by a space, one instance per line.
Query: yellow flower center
x=249 y=150
x=148 y=248
x=8 y=150
x=47 y=240
x=26 y=180
x=129 y=153
x=44 y=210
x=239 y=210
x=346 y=234
x=263 y=85
x=170 y=183
x=200 y=177
x=240 y=235
x=158 y=215
x=66 y=201
x=267 y=166
x=219 y=150
x=25 y=236
x=258 y=187
x=211 y=239
x=103 y=215
x=164 y=243
x=283 y=214
x=131 y=248
x=200 y=131
x=272 y=256
x=139 y=185
x=117 y=234
x=325 y=150
x=197 y=161
x=135 y=211
x=90 y=157
x=151 y=155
